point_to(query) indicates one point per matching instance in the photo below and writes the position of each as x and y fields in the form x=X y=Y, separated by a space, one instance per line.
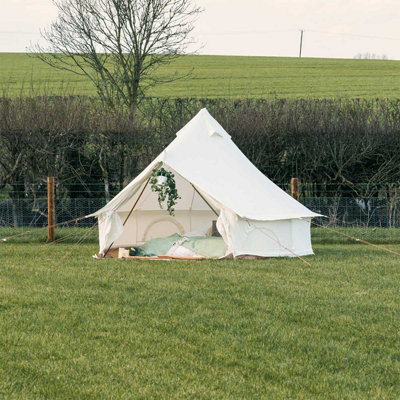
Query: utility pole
x=301 y=42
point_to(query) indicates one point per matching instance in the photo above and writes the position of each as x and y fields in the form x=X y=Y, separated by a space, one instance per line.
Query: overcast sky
x=332 y=28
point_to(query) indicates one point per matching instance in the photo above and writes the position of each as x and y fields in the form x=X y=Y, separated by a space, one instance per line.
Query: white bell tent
x=215 y=182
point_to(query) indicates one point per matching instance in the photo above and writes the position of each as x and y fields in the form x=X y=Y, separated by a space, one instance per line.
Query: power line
x=354 y=34
x=261 y=31
x=248 y=32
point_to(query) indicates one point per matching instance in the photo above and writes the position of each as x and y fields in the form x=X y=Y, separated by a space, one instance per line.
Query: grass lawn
x=225 y=76
x=276 y=329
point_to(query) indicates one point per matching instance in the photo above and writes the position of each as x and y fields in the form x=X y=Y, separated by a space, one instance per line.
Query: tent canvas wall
x=254 y=216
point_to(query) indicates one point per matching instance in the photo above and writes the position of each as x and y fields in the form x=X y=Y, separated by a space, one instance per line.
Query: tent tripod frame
x=130 y=212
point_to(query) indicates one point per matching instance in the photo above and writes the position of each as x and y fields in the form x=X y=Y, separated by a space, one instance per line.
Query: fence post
x=51 y=218
x=294 y=183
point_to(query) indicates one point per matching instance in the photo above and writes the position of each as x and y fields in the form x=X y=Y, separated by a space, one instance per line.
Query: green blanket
x=210 y=247
x=206 y=246
x=157 y=247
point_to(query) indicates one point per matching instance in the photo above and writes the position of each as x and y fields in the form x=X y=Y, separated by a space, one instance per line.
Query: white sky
x=332 y=28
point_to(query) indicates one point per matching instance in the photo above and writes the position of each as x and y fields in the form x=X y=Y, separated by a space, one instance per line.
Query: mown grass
x=99 y=329
x=225 y=76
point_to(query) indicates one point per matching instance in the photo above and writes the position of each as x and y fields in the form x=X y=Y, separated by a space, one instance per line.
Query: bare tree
x=118 y=44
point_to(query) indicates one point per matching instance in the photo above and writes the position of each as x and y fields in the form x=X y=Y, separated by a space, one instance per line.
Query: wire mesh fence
x=33 y=212
x=338 y=210
x=355 y=212
x=27 y=209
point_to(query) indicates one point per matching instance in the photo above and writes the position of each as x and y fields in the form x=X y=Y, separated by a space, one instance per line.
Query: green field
x=275 y=329
x=226 y=76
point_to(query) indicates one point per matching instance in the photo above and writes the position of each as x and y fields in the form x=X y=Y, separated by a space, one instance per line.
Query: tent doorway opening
x=148 y=221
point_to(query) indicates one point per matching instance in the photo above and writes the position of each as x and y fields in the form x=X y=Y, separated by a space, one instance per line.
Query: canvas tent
x=215 y=182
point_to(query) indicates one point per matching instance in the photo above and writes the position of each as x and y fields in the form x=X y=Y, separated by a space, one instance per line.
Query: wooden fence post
x=51 y=217
x=294 y=183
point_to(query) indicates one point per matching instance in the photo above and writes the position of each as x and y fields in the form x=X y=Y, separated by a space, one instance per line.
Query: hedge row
x=336 y=144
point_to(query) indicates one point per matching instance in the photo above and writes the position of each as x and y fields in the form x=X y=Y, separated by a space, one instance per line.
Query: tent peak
x=204 y=122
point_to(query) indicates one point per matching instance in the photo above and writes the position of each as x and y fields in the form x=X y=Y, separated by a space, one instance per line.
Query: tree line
x=91 y=147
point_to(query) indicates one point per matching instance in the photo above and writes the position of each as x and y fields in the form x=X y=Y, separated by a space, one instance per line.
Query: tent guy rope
x=280 y=244
x=357 y=239
x=42 y=228
x=84 y=236
x=61 y=239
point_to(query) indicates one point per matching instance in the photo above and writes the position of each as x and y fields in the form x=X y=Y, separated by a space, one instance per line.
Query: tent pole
x=130 y=212
x=194 y=187
x=140 y=195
